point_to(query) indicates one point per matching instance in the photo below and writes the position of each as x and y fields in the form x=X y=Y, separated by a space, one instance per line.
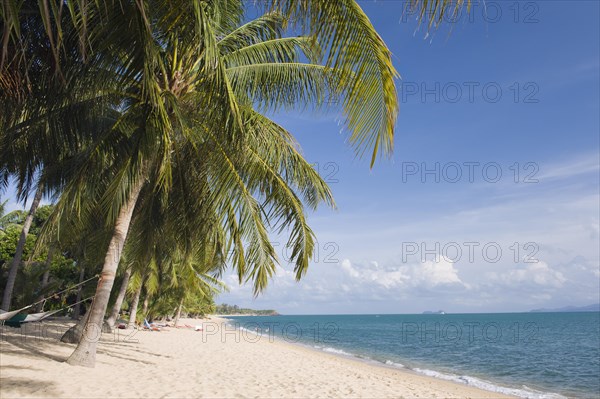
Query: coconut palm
x=16 y=260
x=230 y=169
x=3 y=214
x=175 y=251
x=178 y=278
x=44 y=120
x=116 y=309
x=189 y=83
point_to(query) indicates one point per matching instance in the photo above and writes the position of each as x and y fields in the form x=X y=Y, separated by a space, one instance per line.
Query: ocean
x=530 y=355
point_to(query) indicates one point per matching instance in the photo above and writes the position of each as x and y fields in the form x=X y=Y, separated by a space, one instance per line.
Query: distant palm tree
x=180 y=278
x=16 y=260
x=4 y=218
x=116 y=309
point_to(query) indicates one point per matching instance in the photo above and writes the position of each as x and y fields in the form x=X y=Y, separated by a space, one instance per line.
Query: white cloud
x=363 y=287
x=427 y=274
x=559 y=215
x=574 y=167
x=347 y=267
x=538 y=273
x=433 y=274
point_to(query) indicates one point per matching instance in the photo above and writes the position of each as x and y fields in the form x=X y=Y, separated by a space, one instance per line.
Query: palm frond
x=281 y=50
x=354 y=49
x=274 y=85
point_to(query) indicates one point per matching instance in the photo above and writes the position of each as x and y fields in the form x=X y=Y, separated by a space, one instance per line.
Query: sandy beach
x=183 y=363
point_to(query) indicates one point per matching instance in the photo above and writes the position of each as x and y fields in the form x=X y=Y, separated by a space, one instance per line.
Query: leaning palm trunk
x=77 y=310
x=110 y=322
x=16 y=261
x=45 y=277
x=178 y=315
x=134 y=306
x=145 y=306
x=85 y=353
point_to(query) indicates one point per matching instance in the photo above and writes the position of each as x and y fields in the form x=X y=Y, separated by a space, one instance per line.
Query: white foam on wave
x=526 y=392
x=394 y=364
x=254 y=332
x=336 y=351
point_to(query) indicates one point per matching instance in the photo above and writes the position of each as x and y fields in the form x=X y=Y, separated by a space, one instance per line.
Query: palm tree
x=42 y=114
x=16 y=261
x=179 y=276
x=232 y=176
x=227 y=87
x=3 y=214
x=164 y=262
x=190 y=82
x=116 y=309
x=135 y=300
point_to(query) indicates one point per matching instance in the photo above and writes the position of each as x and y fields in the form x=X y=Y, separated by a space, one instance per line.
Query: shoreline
x=216 y=362
x=362 y=361
x=462 y=380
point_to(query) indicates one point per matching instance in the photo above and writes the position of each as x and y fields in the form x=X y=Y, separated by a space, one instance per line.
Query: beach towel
x=150 y=327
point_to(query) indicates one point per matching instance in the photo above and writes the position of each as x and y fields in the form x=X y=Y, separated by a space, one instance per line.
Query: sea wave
x=395 y=364
x=254 y=331
x=525 y=392
x=337 y=351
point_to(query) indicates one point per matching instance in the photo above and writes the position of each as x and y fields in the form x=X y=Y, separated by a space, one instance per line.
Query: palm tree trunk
x=16 y=261
x=46 y=276
x=85 y=353
x=145 y=306
x=134 y=306
x=77 y=309
x=119 y=301
x=178 y=315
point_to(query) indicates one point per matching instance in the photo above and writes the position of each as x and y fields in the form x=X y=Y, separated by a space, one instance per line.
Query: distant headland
x=234 y=310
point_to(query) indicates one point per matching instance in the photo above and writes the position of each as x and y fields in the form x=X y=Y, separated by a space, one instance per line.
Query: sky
x=510 y=89
x=491 y=200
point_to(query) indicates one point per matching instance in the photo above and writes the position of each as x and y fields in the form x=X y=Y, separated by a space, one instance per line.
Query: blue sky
x=544 y=58
x=513 y=89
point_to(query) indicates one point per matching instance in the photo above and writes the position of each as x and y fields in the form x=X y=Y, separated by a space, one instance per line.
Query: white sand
x=182 y=363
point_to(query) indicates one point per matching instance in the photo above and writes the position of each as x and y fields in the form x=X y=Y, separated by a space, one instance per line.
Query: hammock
x=14 y=318
x=19 y=318
x=39 y=316
x=9 y=315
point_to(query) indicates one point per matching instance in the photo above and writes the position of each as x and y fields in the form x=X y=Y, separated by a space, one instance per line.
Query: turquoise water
x=537 y=355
